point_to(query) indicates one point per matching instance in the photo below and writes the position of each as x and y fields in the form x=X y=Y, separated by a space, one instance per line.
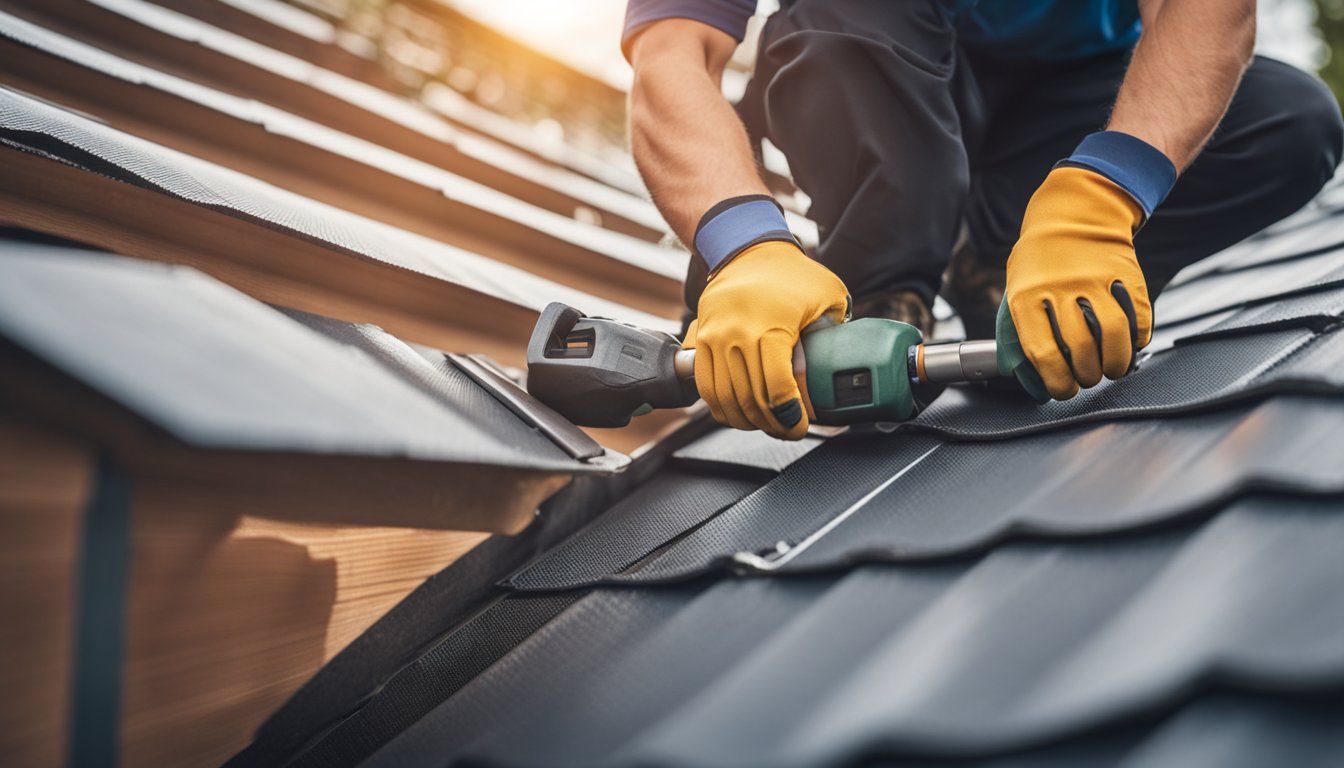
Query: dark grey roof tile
x=1217 y=730
x=1091 y=481
x=1315 y=231
x=1188 y=378
x=1081 y=482
x=217 y=369
x=1218 y=292
x=1317 y=310
x=754 y=450
x=1027 y=645
x=658 y=512
x=789 y=508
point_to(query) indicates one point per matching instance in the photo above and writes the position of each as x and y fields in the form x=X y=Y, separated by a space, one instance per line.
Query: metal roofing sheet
x=1024 y=645
x=1187 y=378
x=659 y=512
x=83 y=141
x=1082 y=482
x=754 y=450
x=1317 y=309
x=1316 y=234
x=1224 y=291
x=217 y=369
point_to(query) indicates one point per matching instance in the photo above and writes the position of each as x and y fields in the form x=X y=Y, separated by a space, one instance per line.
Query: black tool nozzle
x=598 y=372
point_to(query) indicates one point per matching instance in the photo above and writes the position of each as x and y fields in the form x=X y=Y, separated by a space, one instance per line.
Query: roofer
x=1069 y=155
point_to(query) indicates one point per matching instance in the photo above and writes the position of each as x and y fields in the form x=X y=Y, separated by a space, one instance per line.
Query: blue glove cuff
x=1133 y=164
x=736 y=224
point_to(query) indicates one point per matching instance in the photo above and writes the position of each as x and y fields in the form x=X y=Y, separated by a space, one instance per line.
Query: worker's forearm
x=1184 y=73
x=688 y=142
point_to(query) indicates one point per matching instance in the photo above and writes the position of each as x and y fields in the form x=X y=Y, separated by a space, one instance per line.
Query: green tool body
x=600 y=373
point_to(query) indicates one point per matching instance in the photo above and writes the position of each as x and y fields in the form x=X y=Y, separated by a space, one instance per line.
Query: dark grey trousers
x=900 y=135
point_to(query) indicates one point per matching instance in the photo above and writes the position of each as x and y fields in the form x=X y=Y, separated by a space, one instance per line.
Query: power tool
x=598 y=372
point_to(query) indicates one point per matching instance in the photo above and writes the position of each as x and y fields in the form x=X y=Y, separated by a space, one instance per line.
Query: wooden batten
x=135 y=42
x=44 y=484
x=334 y=179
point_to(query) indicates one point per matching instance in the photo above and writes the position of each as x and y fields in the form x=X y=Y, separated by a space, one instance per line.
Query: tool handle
x=849 y=373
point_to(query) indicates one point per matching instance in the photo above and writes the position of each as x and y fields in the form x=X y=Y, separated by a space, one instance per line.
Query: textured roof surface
x=482 y=199
x=182 y=350
x=39 y=127
x=1147 y=575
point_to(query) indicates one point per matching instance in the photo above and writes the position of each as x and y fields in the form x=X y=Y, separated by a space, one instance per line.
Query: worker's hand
x=1075 y=289
x=750 y=316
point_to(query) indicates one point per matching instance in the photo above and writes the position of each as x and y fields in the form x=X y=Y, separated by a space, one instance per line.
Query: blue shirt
x=1026 y=29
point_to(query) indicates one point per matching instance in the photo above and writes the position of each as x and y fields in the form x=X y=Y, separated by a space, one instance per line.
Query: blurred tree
x=1330 y=23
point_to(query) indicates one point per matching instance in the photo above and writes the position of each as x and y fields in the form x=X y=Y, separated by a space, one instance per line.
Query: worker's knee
x=1305 y=149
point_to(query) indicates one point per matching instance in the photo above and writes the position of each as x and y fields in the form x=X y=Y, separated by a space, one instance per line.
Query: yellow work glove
x=1074 y=288
x=750 y=316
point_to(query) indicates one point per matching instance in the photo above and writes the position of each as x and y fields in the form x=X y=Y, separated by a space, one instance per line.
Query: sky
x=583 y=33
x=586 y=33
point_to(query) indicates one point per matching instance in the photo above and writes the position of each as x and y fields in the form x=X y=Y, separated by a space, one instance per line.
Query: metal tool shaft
x=959 y=361
x=684 y=364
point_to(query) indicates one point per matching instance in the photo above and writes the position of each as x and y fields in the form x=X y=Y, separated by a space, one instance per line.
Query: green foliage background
x=1330 y=21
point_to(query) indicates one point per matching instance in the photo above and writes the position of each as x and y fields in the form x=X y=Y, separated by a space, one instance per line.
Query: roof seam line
x=757 y=563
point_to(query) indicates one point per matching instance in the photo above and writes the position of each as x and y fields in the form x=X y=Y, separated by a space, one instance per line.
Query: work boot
x=974 y=289
x=905 y=306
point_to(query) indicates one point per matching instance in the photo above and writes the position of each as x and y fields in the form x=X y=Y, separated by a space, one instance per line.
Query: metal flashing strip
x=787 y=509
x=555 y=427
x=786 y=553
